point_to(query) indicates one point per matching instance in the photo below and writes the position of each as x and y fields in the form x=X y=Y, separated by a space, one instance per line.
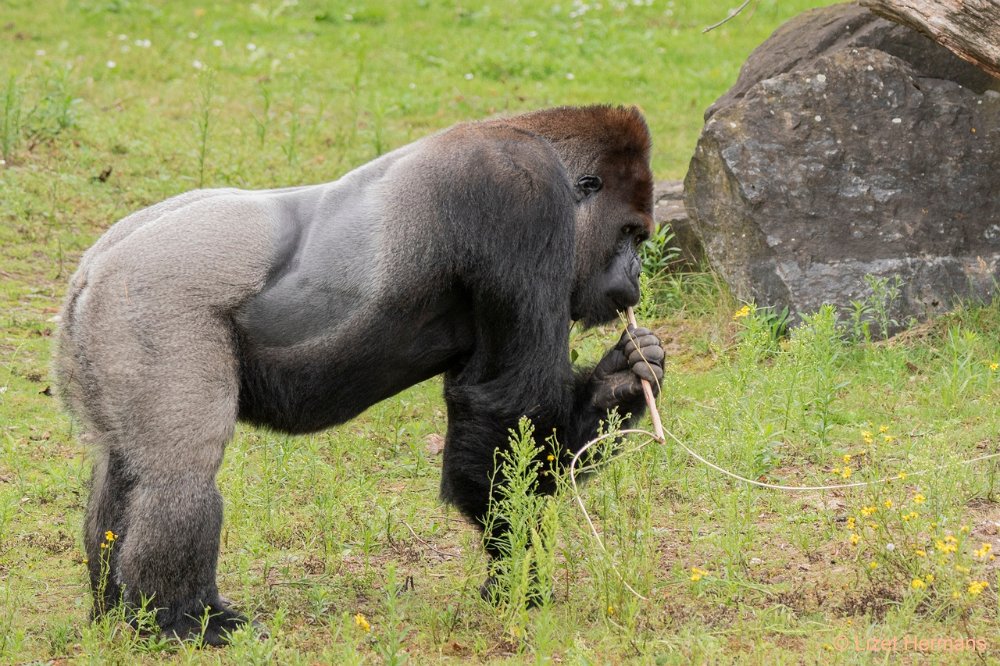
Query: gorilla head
x=466 y=254
x=606 y=155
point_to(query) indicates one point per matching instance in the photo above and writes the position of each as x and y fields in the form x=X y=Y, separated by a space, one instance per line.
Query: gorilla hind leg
x=173 y=515
x=173 y=411
x=170 y=552
x=105 y=522
x=152 y=539
x=116 y=509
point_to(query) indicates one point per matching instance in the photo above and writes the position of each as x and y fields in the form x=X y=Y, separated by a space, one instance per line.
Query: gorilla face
x=615 y=286
x=614 y=218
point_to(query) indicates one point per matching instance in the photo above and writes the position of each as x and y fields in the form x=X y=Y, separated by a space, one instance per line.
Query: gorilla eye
x=589 y=184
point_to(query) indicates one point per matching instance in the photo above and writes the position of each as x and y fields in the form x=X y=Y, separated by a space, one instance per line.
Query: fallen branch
x=968 y=28
x=647 y=391
x=733 y=13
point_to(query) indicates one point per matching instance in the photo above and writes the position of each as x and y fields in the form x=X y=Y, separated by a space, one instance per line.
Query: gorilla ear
x=588 y=184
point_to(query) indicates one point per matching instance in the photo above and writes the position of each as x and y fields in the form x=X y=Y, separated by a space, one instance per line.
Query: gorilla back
x=466 y=253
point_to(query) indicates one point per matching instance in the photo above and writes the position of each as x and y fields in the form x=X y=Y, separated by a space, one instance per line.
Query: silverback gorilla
x=466 y=253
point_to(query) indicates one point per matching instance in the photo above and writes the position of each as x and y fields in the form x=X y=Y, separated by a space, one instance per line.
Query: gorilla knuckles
x=471 y=249
x=618 y=377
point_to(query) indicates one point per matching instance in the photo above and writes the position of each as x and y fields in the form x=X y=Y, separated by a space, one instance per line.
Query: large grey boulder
x=668 y=208
x=851 y=146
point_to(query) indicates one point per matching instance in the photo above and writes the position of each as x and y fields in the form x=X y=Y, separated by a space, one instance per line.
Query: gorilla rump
x=466 y=253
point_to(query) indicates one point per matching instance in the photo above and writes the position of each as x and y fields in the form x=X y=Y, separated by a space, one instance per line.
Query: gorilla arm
x=520 y=279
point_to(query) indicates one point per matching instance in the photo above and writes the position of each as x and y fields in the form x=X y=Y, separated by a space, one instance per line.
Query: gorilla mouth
x=595 y=316
x=601 y=307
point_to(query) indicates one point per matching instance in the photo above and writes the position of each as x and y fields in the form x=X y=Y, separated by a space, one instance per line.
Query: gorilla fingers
x=645 y=355
x=617 y=379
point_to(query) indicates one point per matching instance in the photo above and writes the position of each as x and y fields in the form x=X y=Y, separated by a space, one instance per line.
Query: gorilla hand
x=617 y=378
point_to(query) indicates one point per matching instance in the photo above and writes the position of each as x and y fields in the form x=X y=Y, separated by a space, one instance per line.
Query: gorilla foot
x=213 y=625
x=489 y=590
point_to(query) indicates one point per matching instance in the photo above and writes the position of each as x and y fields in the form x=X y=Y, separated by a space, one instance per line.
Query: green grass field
x=337 y=541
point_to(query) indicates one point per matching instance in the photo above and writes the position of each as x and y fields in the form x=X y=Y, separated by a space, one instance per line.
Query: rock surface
x=851 y=146
x=668 y=208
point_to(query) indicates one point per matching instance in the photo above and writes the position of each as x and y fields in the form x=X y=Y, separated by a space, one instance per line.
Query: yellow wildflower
x=611 y=610
x=964 y=529
x=929 y=578
x=846 y=472
x=742 y=312
x=550 y=457
x=984 y=550
x=902 y=476
x=888 y=438
x=994 y=366
x=960 y=569
x=867 y=437
x=920 y=553
x=918 y=584
x=888 y=503
x=976 y=587
x=850 y=523
x=873 y=565
x=945 y=546
x=867 y=510
x=110 y=536
x=362 y=622
x=883 y=429
x=847 y=457
x=919 y=499
x=697 y=574
x=855 y=539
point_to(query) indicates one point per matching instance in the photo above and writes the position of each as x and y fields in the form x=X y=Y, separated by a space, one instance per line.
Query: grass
x=336 y=541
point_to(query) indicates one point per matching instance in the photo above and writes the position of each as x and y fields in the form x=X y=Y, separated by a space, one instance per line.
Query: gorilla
x=467 y=253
